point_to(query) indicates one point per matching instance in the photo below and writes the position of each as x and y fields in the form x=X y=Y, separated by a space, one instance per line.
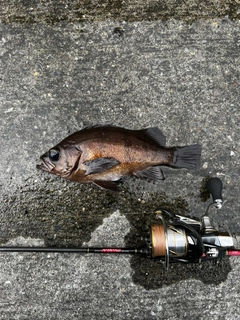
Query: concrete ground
x=60 y=75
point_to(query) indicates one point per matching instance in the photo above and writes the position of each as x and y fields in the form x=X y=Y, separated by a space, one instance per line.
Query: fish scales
x=125 y=153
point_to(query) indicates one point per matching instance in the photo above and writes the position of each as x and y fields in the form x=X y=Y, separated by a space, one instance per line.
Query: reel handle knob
x=214 y=186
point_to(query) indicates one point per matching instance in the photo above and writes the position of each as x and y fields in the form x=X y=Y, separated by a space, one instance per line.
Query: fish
x=105 y=154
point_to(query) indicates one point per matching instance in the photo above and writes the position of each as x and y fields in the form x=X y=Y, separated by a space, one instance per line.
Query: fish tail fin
x=187 y=157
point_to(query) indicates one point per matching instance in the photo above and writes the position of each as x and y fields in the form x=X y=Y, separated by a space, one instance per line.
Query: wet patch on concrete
x=51 y=12
x=151 y=274
x=204 y=193
x=65 y=214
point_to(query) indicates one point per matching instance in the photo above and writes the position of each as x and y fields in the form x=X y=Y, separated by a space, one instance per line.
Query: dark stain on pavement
x=65 y=214
x=51 y=12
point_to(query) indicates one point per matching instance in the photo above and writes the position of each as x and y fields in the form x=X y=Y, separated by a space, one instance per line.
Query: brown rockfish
x=105 y=154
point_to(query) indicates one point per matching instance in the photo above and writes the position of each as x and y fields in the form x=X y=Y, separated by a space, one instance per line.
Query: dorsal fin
x=155 y=135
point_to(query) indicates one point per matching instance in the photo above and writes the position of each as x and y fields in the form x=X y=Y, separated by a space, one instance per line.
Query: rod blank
x=72 y=250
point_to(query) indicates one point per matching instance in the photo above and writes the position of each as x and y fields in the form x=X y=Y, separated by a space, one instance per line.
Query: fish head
x=61 y=160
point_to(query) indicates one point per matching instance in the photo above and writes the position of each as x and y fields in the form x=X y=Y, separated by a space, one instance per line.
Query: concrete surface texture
x=56 y=79
x=51 y=11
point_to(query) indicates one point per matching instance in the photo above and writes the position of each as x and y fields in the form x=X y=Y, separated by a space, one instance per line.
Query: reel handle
x=214 y=186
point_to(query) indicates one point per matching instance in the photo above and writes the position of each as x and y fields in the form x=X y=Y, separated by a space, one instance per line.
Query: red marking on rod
x=233 y=253
x=109 y=250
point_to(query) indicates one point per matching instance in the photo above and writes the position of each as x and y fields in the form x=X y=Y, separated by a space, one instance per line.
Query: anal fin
x=152 y=173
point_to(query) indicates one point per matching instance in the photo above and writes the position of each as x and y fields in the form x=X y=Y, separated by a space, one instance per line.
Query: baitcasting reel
x=174 y=239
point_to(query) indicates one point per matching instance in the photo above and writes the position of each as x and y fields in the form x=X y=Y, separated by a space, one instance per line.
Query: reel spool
x=176 y=241
x=168 y=243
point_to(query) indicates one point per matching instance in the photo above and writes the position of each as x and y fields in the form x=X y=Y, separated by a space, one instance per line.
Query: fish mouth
x=45 y=165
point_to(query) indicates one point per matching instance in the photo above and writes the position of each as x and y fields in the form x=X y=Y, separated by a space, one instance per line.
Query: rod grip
x=214 y=186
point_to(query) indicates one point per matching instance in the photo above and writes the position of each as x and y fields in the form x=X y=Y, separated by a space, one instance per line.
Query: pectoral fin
x=109 y=185
x=152 y=173
x=99 y=165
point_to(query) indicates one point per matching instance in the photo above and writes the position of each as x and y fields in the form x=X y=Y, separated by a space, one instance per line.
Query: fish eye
x=54 y=154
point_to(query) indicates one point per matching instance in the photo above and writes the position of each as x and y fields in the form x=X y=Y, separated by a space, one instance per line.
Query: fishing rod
x=173 y=238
